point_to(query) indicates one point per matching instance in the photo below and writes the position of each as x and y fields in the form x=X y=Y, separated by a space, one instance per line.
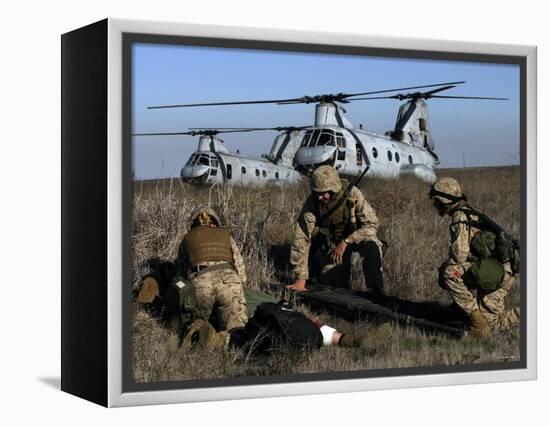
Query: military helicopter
x=407 y=150
x=213 y=163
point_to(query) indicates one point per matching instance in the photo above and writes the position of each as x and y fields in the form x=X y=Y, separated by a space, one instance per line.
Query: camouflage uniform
x=306 y=254
x=489 y=303
x=217 y=283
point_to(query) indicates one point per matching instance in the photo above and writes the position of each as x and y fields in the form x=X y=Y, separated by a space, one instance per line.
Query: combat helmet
x=325 y=179
x=447 y=191
x=204 y=215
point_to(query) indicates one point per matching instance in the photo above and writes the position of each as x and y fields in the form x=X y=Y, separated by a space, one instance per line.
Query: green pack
x=487 y=273
x=483 y=244
x=492 y=241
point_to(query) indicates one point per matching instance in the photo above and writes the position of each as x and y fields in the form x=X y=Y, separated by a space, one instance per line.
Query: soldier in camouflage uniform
x=485 y=310
x=324 y=242
x=211 y=260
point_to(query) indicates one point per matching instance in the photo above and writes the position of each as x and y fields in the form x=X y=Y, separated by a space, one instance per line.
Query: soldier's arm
x=301 y=244
x=460 y=240
x=238 y=261
x=366 y=219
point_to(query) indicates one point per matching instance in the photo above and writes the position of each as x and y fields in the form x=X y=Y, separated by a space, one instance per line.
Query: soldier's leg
x=453 y=282
x=231 y=301
x=492 y=305
x=205 y=295
x=372 y=265
x=335 y=275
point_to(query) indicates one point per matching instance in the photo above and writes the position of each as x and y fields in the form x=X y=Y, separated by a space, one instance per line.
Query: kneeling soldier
x=332 y=224
x=481 y=257
x=211 y=260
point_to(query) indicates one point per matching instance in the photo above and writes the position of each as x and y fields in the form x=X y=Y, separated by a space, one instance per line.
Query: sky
x=465 y=132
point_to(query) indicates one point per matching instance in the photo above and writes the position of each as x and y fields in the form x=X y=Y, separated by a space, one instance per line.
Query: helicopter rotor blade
x=272 y=101
x=164 y=134
x=470 y=97
x=253 y=129
x=405 y=88
x=338 y=97
x=196 y=131
x=428 y=95
x=440 y=89
x=373 y=97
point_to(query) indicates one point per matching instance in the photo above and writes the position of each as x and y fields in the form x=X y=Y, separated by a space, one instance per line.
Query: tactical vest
x=339 y=225
x=208 y=244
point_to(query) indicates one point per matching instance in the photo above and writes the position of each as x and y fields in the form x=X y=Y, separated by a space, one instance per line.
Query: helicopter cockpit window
x=422 y=124
x=320 y=137
x=340 y=140
x=307 y=137
x=327 y=138
x=214 y=162
x=202 y=159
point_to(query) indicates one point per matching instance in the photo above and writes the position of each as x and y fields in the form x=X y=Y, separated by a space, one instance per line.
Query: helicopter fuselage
x=351 y=150
x=211 y=167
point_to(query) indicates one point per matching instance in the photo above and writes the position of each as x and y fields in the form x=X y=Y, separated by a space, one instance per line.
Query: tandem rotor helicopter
x=213 y=163
x=407 y=150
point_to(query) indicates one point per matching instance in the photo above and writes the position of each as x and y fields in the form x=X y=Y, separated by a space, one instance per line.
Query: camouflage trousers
x=339 y=275
x=221 y=290
x=490 y=304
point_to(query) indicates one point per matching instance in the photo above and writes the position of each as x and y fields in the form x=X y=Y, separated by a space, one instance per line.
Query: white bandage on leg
x=327 y=333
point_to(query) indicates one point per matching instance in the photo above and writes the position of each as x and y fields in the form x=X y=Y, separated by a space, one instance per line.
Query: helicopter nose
x=194 y=173
x=314 y=155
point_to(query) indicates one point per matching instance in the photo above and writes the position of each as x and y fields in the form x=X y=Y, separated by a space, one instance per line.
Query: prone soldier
x=211 y=260
x=481 y=257
x=332 y=225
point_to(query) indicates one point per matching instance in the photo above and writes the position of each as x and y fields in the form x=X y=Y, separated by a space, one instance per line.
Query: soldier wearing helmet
x=211 y=260
x=457 y=274
x=329 y=229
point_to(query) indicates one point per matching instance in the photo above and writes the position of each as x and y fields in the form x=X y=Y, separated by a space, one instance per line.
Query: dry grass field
x=261 y=221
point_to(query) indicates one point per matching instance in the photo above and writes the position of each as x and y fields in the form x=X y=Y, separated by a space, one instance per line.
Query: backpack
x=491 y=247
x=278 y=323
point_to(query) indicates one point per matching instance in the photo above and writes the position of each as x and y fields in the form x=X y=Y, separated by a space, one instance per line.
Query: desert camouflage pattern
x=447 y=185
x=324 y=179
x=491 y=304
x=220 y=288
x=367 y=228
x=223 y=289
x=183 y=264
x=196 y=213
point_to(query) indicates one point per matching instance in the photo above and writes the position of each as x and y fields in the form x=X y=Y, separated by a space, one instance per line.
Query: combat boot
x=373 y=341
x=350 y=340
x=202 y=335
x=211 y=340
x=192 y=335
x=479 y=328
x=149 y=290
